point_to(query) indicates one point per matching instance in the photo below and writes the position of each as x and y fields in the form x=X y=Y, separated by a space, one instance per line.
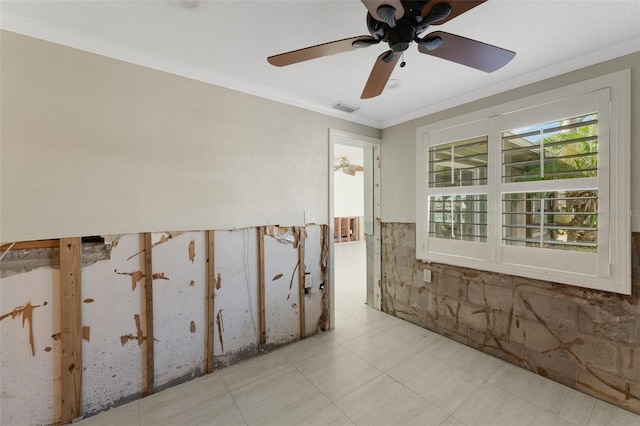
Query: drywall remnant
x=158 y=238
x=86 y=333
x=135 y=277
x=26 y=312
x=112 y=239
x=285 y=235
x=139 y=337
x=277 y=277
x=88 y=300
x=220 y=329
x=192 y=251
x=159 y=276
x=192 y=327
x=324 y=322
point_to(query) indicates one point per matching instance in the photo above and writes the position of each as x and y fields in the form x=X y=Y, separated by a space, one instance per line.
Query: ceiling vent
x=346 y=107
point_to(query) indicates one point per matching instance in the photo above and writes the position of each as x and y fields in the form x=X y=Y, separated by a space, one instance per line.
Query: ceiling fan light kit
x=400 y=23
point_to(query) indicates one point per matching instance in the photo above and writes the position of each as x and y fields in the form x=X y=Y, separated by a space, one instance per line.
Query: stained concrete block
x=498 y=297
x=600 y=353
x=533 y=334
x=451 y=283
x=630 y=363
x=554 y=311
x=479 y=318
x=605 y=324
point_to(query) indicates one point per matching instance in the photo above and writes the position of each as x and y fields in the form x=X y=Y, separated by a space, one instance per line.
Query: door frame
x=373 y=256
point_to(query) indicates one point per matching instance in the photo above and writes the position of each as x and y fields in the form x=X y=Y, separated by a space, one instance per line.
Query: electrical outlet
x=427 y=275
x=309 y=217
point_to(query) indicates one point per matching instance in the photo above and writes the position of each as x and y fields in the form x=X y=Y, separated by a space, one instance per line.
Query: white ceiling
x=227 y=42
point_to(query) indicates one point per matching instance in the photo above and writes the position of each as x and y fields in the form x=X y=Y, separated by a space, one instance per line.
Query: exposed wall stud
x=301 y=281
x=210 y=309
x=148 y=308
x=71 y=327
x=261 y=296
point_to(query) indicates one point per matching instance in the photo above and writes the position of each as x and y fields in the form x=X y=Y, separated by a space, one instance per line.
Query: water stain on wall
x=192 y=251
x=220 y=329
x=26 y=312
x=124 y=339
x=159 y=276
x=135 y=277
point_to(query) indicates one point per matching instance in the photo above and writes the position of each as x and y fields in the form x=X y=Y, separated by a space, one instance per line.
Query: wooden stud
x=71 y=327
x=148 y=308
x=211 y=307
x=261 y=296
x=302 y=281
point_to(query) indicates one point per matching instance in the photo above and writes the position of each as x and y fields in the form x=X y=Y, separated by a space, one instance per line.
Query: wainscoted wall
x=216 y=297
x=588 y=340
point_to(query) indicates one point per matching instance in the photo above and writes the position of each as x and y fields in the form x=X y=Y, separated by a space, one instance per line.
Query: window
x=533 y=188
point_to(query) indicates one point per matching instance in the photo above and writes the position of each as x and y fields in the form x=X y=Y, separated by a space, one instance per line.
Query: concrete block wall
x=586 y=339
x=113 y=314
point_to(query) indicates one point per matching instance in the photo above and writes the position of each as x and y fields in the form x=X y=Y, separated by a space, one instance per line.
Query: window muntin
x=559 y=220
x=461 y=163
x=562 y=149
x=458 y=217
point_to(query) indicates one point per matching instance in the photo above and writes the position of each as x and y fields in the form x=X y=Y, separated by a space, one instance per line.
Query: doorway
x=354 y=248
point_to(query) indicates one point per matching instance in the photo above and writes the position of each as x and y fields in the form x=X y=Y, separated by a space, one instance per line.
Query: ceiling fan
x=400 y=22
x=347 y=167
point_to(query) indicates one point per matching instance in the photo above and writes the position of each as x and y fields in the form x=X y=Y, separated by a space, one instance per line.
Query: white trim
x=353 y=139
x=610 y=268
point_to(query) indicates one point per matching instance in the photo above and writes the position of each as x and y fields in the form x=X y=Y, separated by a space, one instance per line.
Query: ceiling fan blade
x=380 y=74
x=325 y=49
x=458 y=7
x=373 y=5
x=465 y=51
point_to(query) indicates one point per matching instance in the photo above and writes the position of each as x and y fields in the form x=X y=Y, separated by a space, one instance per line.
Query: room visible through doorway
x=350 y=250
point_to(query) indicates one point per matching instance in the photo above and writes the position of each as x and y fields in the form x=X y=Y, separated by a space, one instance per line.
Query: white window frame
x=610 y=268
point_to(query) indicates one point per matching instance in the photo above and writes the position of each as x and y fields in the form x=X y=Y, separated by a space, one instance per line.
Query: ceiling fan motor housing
x=401 y=36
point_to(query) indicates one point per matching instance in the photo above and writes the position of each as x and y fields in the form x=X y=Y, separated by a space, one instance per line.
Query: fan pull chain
x=402 y=62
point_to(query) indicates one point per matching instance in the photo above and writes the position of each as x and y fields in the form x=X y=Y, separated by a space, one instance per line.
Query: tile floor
x=373 y=369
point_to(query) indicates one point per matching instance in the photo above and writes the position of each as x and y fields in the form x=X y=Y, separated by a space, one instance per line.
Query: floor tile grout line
x=328 y=399
x=226 y=386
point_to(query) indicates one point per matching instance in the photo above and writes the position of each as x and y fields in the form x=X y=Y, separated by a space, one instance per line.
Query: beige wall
x=83 y=135
x=399 y=142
